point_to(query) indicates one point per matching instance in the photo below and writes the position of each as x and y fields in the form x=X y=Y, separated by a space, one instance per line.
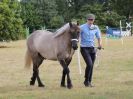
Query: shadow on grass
x=8 y=89
x=1 y=46
x=5 y=47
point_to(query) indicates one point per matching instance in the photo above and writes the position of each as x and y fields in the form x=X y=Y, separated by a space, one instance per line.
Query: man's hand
x=99 y=44
x=99 y=47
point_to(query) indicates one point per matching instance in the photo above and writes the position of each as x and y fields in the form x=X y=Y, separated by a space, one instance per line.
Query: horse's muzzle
x=75 y=47
x=74 y=44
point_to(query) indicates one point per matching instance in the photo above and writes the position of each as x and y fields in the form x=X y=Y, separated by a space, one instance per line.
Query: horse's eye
x=78 y=32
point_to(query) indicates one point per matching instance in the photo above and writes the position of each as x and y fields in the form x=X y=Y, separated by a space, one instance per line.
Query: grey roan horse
x=59 y=46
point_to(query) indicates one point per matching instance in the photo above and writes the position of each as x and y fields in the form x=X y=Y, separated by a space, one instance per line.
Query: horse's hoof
x=41 y=85
x=62 y=85
x=69 y=86
x=32 y=83
x=86 y=83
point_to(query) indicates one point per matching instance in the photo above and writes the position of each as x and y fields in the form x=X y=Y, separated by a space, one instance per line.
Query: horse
x=59 y=46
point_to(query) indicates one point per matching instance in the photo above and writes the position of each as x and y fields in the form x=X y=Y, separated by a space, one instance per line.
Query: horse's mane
x=61 y=30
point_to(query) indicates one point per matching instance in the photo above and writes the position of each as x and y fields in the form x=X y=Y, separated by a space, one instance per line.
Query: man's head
x=90 y=18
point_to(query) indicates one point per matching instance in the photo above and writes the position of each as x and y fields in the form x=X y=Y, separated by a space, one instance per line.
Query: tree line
x=16 y=16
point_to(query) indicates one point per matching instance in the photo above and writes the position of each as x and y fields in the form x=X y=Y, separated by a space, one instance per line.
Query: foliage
x=106 y=11
x=37 y=13
x=111 y=19
x=10 y=22
x=63 y=9
x=56 y=21
x=123 y=7
x=103 y=17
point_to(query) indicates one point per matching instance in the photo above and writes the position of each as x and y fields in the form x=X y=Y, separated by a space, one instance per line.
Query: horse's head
x=74 y=31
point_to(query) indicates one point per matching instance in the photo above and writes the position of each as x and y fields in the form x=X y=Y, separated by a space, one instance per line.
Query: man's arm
x=99 y=43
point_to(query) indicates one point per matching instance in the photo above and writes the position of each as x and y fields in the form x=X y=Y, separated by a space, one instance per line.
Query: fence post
x=27 y=32
x=131 y=28
x=120 y=28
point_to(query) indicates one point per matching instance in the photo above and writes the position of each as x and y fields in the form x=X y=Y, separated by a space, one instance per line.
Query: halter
x=74 y=40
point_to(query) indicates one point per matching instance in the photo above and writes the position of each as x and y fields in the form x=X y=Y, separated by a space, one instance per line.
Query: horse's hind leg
x=33 y=78
x=66 y=72
x=37 y=61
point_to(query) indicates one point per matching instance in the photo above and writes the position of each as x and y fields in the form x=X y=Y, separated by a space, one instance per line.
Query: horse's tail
x=28 y=59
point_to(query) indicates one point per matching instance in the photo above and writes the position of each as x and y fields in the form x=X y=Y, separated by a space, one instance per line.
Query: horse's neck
x=66 y=37
x=62 y=30
x=64 y=46
x=65 y=40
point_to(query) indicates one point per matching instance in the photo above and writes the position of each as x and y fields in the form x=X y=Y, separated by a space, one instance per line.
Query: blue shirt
x=88 y=34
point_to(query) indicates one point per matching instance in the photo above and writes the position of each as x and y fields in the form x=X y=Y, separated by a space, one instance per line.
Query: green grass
x=113 y=78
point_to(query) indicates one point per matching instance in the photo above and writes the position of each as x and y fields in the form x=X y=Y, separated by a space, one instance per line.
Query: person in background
x=87 y=46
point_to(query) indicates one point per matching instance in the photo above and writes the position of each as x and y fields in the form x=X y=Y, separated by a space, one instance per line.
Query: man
x=88 y=33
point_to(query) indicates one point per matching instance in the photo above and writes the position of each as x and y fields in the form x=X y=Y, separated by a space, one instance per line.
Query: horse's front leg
x=66 y=71
x=63 y=78
x=69 y=83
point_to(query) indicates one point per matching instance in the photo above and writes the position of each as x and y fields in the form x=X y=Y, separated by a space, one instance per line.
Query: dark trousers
x=89 y=55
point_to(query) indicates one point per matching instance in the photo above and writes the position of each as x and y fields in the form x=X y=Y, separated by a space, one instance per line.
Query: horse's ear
x=78 y=23
x=70 y=24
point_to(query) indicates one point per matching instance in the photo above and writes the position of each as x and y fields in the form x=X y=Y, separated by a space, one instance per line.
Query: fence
x=126 y=28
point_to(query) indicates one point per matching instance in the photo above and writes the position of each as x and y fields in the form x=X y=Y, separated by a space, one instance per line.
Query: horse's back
x=43 y=42
x=36 y=35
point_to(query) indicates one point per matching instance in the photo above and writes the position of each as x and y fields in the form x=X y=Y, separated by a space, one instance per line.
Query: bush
x=10 y=22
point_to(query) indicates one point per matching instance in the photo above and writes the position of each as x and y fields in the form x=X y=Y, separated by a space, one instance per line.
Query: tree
x=29 y=15
x=38 y=13
x=124 y=7
x=63 y=9
x=10 y=22
x=103 y=17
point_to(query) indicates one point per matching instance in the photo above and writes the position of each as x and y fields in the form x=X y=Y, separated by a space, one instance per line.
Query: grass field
x=113 y=78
